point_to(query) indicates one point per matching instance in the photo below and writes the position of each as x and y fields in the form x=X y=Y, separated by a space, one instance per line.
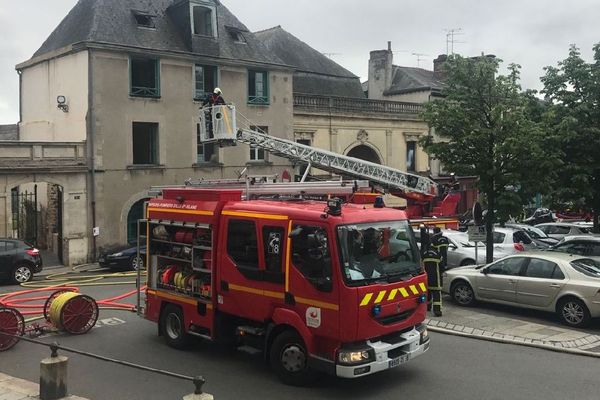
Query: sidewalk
x=50 y=260
x=485 y=323
x=19 y=389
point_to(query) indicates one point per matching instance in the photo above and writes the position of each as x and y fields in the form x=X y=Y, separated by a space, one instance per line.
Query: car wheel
x=22 y=273
x=466 y=262
x=573 y=312
x=173 y=327
x=136 y=262
x=462 y=293
x=289 y=359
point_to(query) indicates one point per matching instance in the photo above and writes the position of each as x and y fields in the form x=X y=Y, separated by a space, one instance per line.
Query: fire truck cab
x=316 y=285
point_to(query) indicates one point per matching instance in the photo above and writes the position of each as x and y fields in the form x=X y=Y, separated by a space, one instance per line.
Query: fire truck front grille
x=392 y=319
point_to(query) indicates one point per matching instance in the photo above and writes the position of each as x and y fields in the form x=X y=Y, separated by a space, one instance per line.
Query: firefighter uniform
x=432 y=261
x=440 y=243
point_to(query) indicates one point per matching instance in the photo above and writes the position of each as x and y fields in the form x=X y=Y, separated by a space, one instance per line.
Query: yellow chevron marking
x=423 y=287
x=413 y=289
x=392 y=294
x=365 y=301
x=403 y=292
x=380 y=296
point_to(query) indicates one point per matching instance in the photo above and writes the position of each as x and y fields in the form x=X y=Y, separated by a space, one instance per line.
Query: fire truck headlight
x=423 y=332
x=355 y=357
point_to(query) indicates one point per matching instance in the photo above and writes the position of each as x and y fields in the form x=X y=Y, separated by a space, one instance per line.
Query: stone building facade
x=112 y=97
x=126 y=81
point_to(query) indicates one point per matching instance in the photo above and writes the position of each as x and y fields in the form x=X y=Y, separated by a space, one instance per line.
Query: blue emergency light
x=376 y=310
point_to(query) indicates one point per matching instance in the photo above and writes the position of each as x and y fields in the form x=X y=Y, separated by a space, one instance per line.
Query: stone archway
x=136 y=212
x=366 y=153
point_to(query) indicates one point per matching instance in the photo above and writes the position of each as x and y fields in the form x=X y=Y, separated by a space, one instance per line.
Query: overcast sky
x=533 y=33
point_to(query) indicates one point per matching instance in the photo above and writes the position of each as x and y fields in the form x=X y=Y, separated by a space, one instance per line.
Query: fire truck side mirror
x=322 y=284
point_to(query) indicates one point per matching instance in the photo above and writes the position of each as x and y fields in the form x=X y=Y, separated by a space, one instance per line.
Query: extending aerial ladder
x=219 y=125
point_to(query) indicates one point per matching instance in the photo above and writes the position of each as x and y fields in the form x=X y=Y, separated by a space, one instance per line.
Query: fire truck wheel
x=173 y=327
x=289 y=359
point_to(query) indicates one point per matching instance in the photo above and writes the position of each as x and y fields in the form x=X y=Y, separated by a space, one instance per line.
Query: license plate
x=398 y=360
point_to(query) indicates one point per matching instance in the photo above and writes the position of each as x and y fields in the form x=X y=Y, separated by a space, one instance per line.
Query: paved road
x=459 y=369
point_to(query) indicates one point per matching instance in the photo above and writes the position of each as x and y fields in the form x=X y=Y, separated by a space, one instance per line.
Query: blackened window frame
x=137 y=88
x=152 y=143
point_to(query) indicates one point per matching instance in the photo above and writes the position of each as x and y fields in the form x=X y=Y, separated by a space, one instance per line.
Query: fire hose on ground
x=63 y=307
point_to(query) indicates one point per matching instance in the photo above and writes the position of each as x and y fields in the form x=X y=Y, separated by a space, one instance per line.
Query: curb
x=515 y=342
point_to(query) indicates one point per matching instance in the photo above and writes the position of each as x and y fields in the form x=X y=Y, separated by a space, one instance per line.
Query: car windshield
x=462 y=239
x=378 y=251
x=535 y=233
x=587 y=266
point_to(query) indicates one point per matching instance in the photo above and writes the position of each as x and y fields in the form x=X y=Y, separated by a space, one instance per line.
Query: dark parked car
x=18 y=261
x=124 y=257
x=539 y=216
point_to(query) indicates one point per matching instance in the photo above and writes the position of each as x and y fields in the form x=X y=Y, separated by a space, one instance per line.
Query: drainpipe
x=91 y=150
x=20 y=103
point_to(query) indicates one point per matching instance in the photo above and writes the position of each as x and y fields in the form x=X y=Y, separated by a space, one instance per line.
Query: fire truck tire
x=173 y=327
x=289 y=359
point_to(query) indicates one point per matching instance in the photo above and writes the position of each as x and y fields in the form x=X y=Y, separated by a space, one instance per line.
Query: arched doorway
x=136 y=212
x=366 y=153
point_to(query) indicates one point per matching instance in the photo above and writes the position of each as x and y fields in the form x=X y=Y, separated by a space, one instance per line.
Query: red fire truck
x=317 y=285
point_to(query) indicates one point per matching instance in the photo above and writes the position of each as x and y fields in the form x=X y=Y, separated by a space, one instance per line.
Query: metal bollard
x=53 y=375
x=198 y=395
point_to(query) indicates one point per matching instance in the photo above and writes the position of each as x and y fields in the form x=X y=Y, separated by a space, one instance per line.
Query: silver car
x=587 y=245
x=507 y=241
x=561 y=229
x=566 y=284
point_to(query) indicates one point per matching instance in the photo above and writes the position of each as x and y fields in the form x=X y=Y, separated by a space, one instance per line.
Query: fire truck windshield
x=385 y=251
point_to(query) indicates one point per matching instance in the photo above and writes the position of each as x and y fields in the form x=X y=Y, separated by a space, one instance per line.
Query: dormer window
x=204 y=19
x=236 y=34
x=144 y=19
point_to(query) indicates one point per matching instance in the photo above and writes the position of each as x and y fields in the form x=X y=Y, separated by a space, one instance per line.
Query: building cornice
x=193 y=57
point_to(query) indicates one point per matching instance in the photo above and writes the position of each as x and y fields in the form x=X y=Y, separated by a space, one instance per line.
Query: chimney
x=439 y=62
x=380 y=72
x=438 y=66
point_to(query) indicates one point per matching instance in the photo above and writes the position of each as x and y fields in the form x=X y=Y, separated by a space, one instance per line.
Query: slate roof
x=113 y=22
x=410 y=79
x=315 y=73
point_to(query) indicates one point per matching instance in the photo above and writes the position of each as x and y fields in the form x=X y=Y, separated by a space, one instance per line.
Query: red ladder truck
x=317 y=285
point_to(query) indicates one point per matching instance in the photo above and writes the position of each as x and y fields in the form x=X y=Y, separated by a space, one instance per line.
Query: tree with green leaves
x=482 y=127
x=573 y=87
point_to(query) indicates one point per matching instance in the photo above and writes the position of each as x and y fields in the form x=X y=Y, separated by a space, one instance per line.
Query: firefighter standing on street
x=441 y=243
x=432 y=261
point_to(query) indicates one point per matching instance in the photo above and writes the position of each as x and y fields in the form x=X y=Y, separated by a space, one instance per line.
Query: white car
x=561 y=229
x=462 y=252
x=507 y=241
